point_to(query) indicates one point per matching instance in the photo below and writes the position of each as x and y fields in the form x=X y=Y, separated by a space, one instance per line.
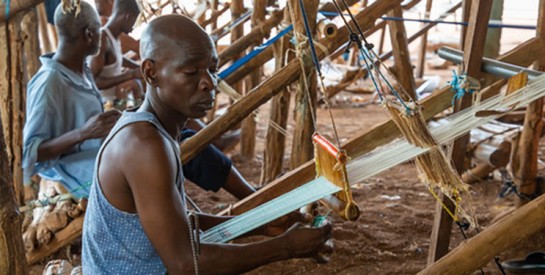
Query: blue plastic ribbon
x=237 y=64
x=7 y=2
x=457 y=85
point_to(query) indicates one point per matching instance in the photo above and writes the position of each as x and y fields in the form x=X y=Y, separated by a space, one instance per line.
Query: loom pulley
x=331 y=164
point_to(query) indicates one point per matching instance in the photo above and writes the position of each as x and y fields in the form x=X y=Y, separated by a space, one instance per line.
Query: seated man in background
x=65 y=122
x=137 y=221
x=116 y=84
x=223 y=143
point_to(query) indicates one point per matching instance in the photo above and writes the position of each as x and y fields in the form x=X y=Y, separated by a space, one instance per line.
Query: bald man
x=137 y=221
x=65 y=122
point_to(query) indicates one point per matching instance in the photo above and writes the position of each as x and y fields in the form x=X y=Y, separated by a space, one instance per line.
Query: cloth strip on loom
x=267 y=212
x=458 y=124
x=371 y=164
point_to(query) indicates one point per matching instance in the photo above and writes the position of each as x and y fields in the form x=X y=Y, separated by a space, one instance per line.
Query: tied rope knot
x=461 y=85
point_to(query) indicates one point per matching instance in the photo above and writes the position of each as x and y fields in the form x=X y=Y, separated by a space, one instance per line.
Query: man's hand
x=309 y=242
x=136 y=73
x=280 y=225
x=100 y=125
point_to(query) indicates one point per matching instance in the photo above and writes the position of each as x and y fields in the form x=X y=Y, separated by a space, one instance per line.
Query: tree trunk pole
x=423 y=44
x=525 y=162
x=473 y=54
x=12 y=251
x=273 y=155
x=12 y=98
x=247 y=148
x=400 y=48
x=305 y=96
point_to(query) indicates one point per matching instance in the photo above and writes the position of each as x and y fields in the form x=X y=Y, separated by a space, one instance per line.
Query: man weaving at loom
x=136 y=219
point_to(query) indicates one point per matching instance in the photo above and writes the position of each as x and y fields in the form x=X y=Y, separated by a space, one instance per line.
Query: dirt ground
x=392 y=235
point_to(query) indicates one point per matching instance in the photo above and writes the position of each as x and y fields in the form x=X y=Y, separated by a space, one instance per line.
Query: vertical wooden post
x=12 y=251
x=423 y=44
x=400 y=48
x=473 y=53
x=215 y=6
x=237 y=8
x=29 y=28
x=525 y=160
x=305 y=98
x=12 y=98
x=273 y=155
x=466 y=10
x=247 y=148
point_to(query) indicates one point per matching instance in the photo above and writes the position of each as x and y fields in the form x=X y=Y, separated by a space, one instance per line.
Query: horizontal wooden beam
x=267 y=89
x=476 y=252
x=16 y=6
x=379 y=135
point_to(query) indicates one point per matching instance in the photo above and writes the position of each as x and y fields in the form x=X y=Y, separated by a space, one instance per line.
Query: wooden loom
x=331 y=164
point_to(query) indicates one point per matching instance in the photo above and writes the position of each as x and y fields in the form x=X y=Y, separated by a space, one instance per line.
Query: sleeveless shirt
x=114 y=241
x=113 y=69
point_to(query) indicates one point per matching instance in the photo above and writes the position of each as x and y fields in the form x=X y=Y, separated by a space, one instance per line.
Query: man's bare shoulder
x=140 y=136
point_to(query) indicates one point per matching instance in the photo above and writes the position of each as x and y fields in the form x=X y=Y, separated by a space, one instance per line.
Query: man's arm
x=96 y=127
x=99 y=61
x=163 y=215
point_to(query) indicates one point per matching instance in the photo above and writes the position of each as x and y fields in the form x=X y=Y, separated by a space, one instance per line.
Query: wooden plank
x=261 y=94
x=402 y=59
x=479 y=250
x=60 y=239
x=473 y=54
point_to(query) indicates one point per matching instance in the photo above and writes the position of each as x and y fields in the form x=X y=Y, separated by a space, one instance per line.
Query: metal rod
x=490 y=66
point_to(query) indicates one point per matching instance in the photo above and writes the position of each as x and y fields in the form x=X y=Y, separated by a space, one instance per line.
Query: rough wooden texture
x=473 y=54
x=12 y=98
x=275 y=140
x=260 y=30
x=479 y=250
x=305 y=96
x=423 y=44
x=400 y=48
x=248 y=133
x=12 y=252
x=378 y=135
x=261 y=94
x=16 y=7
x=213 y=19
x=29 y=28
x=267 y=55
x=524 y=162
x=59 y=240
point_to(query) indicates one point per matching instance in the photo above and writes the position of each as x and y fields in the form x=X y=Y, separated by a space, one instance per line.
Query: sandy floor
x=392 y=235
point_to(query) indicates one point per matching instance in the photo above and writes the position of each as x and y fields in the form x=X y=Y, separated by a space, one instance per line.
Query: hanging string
x=365 y=53
x=316 y=61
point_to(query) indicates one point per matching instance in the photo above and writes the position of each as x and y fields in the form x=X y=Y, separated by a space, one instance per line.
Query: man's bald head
x=126 y=7
x=171 y=32
x=71 y=21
